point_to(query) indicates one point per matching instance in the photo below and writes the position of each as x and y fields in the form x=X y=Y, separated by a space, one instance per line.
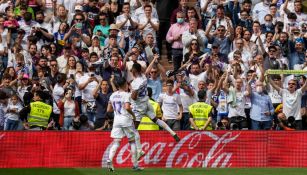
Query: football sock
x=133 y=154
x=113 y=149
x=162 y=124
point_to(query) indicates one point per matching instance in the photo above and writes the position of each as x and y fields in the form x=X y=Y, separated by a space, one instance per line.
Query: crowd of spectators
x=219 y=52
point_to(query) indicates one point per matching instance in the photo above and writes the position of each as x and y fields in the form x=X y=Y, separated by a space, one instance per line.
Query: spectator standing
x=201 y=113
x=37 y=116
x=171 y=106
x=292 y=100
x=12 y=113
x=262 y=109
x=69 y=109
x=148 y=23
x=174 y=36
x=102 y=95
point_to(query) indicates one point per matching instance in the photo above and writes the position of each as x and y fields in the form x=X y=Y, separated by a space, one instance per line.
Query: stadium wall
x=54 y=149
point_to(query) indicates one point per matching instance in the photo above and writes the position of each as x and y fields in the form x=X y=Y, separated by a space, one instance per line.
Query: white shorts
x=121 y=132
x=144 y=110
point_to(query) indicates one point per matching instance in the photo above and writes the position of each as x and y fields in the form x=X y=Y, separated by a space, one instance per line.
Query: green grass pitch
x=156 y=171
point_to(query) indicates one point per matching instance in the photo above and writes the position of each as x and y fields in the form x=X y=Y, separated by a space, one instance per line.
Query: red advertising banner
x=196 y=149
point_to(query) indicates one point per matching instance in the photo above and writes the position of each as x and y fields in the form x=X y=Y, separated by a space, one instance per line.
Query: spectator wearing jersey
x=292 y=100
x=260 y=10
x=193 y=33
x=188 y=96
x=236 y=99
x=126 y=20
x=171 y=106
x=87 y=84
x=147 y=23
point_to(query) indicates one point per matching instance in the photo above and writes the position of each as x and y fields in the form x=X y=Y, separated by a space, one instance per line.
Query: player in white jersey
x=141 y=106
x=123 y=122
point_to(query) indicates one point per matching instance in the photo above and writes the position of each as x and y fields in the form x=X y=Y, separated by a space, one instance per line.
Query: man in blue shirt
x=262 y=109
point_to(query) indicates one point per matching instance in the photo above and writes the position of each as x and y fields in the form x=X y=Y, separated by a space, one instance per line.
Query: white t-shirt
x=292 y=103
x=69 y=108
x=87 y=92
x=58 y=93
x=239 y=108
x=13 y=116
x=170 y=104
x=148 y=28
x=121 y=116
x=275 y=96
x=69 y=4
x=122 y=18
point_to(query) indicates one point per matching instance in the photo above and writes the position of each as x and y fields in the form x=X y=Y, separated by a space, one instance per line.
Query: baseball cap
x=25 y=76
x=113 y=27
x=78 y=8
x=95 y=36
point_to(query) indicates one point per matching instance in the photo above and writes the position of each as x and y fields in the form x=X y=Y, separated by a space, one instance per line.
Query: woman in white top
x=69 y=109
x=71 y=67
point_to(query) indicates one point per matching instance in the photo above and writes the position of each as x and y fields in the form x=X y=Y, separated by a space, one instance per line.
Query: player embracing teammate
x=128 y=112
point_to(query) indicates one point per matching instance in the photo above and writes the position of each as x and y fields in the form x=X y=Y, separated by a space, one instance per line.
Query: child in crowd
x=12 y=113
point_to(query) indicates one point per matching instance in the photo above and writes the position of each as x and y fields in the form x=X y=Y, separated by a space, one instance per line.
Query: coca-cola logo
x=189 y=152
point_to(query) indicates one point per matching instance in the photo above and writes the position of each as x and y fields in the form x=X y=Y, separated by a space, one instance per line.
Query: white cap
x=78 y=7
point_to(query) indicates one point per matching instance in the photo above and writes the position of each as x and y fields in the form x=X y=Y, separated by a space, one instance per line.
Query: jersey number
x=117 y=105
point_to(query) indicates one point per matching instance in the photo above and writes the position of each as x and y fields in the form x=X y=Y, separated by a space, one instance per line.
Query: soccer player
x=141 y=106
x=123 y=122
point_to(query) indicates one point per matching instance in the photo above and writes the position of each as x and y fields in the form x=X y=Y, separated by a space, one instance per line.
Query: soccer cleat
x=176 y=137
x=110 y=166
x=140 y=155
x=137 y=168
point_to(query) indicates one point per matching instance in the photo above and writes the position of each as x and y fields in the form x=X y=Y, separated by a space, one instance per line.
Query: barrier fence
x=196 y=149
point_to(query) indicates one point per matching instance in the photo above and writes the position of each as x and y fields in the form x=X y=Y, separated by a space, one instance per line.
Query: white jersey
x=170 y=105
x=121 y=116
x=139 y=84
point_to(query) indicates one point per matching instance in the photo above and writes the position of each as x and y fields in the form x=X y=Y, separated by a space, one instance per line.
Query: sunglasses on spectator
x=291 y=83
x=53 y=65
x=220 y=30
x=79 y=19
